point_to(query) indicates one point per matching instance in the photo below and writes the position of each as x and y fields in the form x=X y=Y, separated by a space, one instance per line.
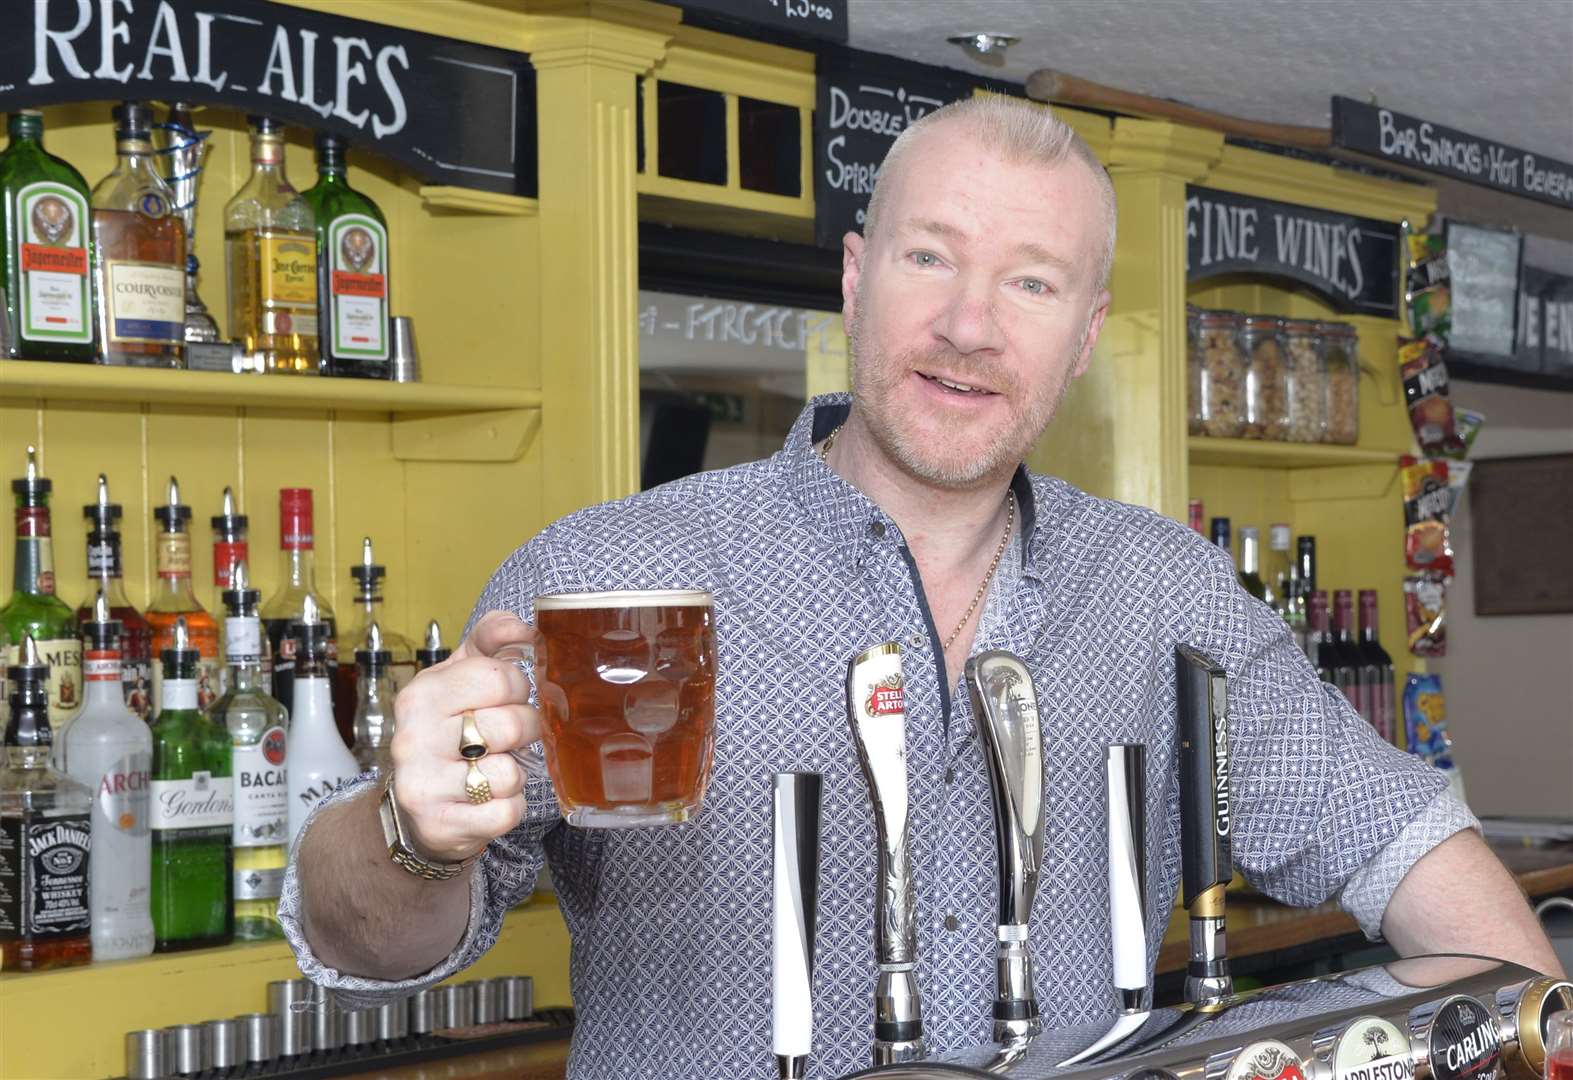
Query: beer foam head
x=642 y=598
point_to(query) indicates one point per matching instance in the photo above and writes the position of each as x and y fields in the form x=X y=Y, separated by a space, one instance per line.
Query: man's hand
x=428 y=770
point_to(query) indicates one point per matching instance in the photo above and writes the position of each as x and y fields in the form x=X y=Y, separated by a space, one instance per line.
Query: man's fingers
x=474 y=683
x=500 y=634
x=504 y=727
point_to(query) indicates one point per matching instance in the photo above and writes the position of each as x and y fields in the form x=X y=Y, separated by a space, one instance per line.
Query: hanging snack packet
x=1425 y=609
x=1427 y=286
x=1425 y=390
x=1428 y=506
x=1467 y=422
x=1425 y=720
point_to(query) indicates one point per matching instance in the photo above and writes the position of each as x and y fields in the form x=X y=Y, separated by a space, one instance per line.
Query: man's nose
x=970 y=322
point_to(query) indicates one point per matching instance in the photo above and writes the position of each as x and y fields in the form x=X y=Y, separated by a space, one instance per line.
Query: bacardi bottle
x=44 y=234
x=374 y=703
x=139 y=253
x=34 y=610
x=298 y=570
x=1376 y=668
x=369 y=575
x=433 y=652
x=352 y=276
x=1250 y=563
x=105 y=575
x=193 y=811
x=109 y=750
x=258 y=727
x=174 y=600
x=45 y=835
x=320 y=762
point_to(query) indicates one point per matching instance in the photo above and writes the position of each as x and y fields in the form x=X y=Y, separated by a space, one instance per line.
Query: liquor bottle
x=373 y=703
x=299 y=574
x=45 y=834
x=1346 y=675
x=34 y=610
x=433 y=652
x=139 y=253
x=270 y=242
x=257 y=726
x=1376 y=669
x=1304 y=571
x=1220 y=535
x=1194 y=518
x=320 y=761
x=105 y=574
x=193 y=811
x=1318 y=634
x=174 y=600
x=352 y=276
x=368 y=575
x=45 y=232
x=1250 y=557
x=230 y=548
x=1275 y=573
x=109 y=750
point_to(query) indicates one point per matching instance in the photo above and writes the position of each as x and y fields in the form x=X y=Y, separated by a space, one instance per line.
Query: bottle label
x=100 y=666
x=243 y=639
x=147 y=302
x=43 y=874
x=136 y=678
x=55 y=298
x=103 y=557
x=177 y=694
x=262 y=794
x=174 y=555
x=259 y=884
x=125 y=794
x=358 y=245
x=64 y=657
x=288 y=289
x=225 y=555
x=35 y=559
x=202 y=801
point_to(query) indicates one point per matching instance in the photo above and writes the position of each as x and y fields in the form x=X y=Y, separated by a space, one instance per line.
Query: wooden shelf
x=1283 y=455
x=33 y=380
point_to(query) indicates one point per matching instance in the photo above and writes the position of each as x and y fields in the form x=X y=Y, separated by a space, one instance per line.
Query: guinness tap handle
x=796 y=799
x=1205 y=819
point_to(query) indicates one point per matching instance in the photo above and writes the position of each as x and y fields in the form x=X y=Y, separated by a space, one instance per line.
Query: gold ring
x=476 y=787
x=471 y=745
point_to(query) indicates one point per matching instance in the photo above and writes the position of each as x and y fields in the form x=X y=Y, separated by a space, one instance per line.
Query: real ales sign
x=1353 y=261
x=453 y=112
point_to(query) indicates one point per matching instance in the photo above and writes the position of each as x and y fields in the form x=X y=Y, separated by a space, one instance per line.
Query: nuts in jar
x=1193 y=371
x=1341 y=360
x=1266 y=396
x=1220 y=375
x=1306 y=383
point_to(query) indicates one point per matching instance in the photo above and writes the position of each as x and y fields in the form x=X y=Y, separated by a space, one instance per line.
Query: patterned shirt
x=671 y=927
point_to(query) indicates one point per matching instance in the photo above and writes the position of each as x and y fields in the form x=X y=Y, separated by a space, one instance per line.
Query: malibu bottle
x=320 y=762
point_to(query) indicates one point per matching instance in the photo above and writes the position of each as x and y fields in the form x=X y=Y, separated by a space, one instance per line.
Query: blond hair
x=1018 y=131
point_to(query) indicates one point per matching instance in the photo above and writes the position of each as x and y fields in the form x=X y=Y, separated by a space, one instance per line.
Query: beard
x=961 y=454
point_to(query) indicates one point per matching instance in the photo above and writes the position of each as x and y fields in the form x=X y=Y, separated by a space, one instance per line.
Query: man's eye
x=925 y=258
x=1035 y=286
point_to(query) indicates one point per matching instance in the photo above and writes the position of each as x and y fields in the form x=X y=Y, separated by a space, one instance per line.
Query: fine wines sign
x=451 y=112
x=825 y=19
x=1353 y=261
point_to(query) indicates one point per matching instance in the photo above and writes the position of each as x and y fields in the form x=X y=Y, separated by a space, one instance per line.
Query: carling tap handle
x=796 y=799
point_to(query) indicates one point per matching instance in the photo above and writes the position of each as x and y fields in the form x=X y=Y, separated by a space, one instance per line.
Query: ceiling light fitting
x=990 y=48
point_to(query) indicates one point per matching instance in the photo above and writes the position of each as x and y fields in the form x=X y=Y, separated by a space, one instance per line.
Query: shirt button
x=951 y=923
x=877 y=528
x=915 y=640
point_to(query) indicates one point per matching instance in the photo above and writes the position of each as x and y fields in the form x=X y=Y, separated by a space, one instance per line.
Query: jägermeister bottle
x=45 y=234
x=193 y=812
x=34 y=610
x=352 y=270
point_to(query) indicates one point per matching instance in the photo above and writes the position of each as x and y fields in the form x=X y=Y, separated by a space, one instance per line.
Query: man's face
x=973 y=307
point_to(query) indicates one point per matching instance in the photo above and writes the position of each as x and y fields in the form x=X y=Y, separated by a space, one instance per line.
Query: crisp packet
x=1428 y=507
x=1425 y=720
x=1426 y=391
x=1467 y=422
x=1427 y=286
x=1425 y=611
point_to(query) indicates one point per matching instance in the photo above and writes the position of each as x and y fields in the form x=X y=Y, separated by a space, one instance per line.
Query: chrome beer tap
x=796 y=798
x=1006 y=707
x=877 y=713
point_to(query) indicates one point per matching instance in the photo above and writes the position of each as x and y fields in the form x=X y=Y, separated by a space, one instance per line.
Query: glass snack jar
x=1193 y=372
x=1306 y=381
x=1221 y=373
x=1340 y=348
x=1266 y=383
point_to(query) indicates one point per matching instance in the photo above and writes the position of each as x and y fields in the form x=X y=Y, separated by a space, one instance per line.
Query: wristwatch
x=402 y=852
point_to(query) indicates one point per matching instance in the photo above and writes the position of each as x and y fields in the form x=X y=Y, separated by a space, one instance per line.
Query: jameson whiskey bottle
x=271 y=243
x=45 y=835
x=369 y=575
x=34 y=609
x=257 y=727
x=109 y=750
x=139 y=254
x=352 y=274
x=173 y=601
x=105 y=575
x=45 y=235
x=373 y=703
x=299 y=574
x=433 y=652
x=193 y=812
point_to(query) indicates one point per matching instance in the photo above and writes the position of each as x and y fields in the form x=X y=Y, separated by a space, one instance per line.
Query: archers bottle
x=320 y=762
x=109 y=750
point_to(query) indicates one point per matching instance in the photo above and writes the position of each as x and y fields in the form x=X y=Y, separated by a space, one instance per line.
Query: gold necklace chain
x=994 y=563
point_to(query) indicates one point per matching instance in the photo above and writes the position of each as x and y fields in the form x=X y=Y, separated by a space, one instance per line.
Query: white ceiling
x=1497 y=68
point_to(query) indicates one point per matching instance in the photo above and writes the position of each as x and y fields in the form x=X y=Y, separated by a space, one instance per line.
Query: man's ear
x=1094 y=328
x=852 y=248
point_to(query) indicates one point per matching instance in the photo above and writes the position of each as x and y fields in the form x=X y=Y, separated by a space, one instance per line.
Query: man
x=974 y=297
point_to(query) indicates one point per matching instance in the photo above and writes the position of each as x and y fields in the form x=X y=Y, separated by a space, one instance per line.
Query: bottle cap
x=227 y=521
x=331 y=148
x=133 y=120
x=295 y=519
x=173 y=515
x=29 y=664
x=368 y=572
x=311 y=634
x=103 y=513
x=370 y=653
x=31 y=486
x=433 y=652
x=1278 y=536
x=181 y=658
x=240 y=597
x=264 y=125
x=102 y=631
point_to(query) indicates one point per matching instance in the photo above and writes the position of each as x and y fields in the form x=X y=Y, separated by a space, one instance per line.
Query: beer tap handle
x=1205 y=819
x=796 y=800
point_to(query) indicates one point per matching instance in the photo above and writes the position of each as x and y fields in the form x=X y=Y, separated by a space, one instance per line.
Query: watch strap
x=402 y=852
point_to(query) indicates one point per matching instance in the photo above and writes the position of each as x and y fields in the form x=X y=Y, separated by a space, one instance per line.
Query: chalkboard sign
x=1545 y=323
x=863 y=102
x=1483 y=265
x=451 y=112
x=1520 y=516
x=1352 y=261
x=826 y=19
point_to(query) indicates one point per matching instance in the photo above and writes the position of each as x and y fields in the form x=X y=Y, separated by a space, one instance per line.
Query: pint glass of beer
x=627 y=695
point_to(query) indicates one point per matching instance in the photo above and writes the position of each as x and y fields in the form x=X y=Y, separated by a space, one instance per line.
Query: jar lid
x=1263 y=322
x=1219 y=318
x=1300 y=326
x=1336 y=329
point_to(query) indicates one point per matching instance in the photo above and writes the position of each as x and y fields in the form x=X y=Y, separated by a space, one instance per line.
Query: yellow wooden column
x=586 y=66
